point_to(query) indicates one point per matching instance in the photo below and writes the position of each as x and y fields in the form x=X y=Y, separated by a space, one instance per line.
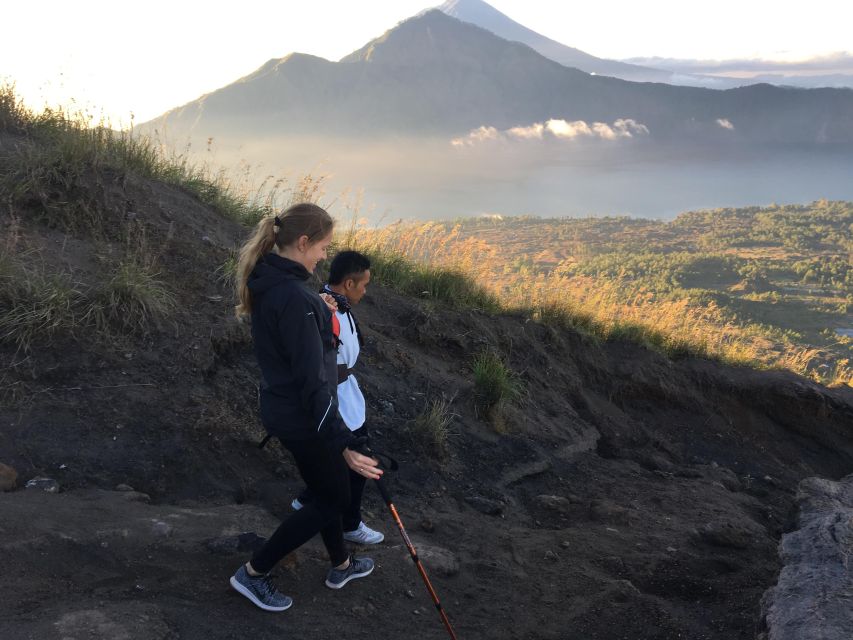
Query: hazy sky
x=148 y=57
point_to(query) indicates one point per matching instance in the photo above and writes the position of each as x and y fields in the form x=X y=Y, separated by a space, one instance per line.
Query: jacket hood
x=272 y=269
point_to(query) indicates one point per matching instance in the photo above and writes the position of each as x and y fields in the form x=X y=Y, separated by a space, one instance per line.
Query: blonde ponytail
x=303 y=219
x=260 y=244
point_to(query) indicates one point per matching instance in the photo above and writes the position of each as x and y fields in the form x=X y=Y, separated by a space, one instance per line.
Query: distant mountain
x=691 y=73
x=833 y=70
x=436 y=75
x=486 y=16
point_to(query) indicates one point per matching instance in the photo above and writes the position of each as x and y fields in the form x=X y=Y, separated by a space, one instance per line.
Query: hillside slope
x=624 y=494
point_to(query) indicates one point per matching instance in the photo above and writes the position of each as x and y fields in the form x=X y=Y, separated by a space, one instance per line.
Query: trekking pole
x=387 y=497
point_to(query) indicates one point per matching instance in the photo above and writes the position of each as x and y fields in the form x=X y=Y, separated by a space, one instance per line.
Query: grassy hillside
x=635 y=495
x=764 y=286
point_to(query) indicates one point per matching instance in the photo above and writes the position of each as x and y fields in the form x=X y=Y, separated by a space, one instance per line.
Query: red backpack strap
x=336 y=327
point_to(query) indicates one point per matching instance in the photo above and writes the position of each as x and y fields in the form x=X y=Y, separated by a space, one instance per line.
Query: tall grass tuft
x=431 y=427
x=495 y=387
x=37 y=305
x=135 y=299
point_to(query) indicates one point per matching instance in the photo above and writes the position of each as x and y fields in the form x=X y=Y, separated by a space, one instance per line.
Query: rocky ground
x=626 y=495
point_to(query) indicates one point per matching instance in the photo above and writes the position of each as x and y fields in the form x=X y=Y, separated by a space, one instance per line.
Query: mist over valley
x=429 y=178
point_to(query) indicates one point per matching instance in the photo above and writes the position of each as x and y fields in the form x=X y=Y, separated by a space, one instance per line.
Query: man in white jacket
x=349 y=275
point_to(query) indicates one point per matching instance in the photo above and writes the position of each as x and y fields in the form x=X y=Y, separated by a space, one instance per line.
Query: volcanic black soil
x=624 y=495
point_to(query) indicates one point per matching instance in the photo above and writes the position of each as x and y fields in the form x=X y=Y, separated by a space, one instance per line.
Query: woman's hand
x=330 y=302
x=362 y=464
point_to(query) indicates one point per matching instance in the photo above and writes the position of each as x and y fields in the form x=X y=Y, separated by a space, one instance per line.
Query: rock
x=554 y=503
x=485 y=505
x=387 y=407
x=427 y=525
x=813 y=596
x=160 y=528
x=606 y=511
x=773 y=482
x=654 y=462
x=520 y=471
x=8 y=477
x=124 y=487
x=622 y=591
x=727 y=478
x=551 y=556
x=734 y=535
x=243 y=543
x=135 y=496
x=688 y=472
x=437 y=560
x=48 y=485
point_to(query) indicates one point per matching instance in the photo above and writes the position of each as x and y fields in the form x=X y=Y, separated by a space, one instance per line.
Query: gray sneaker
x=364 y=535
x=358 y=568
x=260 y=590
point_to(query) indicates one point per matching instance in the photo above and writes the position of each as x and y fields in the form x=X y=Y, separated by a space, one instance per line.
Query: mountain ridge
x=436 y=75
x=487 y=17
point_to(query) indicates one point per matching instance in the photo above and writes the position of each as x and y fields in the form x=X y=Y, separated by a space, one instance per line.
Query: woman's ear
x=302 y=244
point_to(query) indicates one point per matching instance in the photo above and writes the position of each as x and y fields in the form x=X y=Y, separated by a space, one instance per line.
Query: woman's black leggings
x=352 y=514
x=327 y=475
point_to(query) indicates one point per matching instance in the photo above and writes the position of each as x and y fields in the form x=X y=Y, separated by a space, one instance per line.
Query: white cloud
x=563 y=129
x=725 y=123
x=534 y=131
x=556 y=128
x=480 y=134
x=628 y=127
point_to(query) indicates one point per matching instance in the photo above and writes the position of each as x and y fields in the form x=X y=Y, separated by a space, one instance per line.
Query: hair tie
x=277 y=221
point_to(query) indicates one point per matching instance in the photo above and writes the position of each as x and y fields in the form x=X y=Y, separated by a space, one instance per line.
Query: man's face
x=356 y=286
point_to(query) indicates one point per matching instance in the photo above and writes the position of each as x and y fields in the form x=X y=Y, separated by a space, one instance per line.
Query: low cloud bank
x=840 y=62
x=555 y=129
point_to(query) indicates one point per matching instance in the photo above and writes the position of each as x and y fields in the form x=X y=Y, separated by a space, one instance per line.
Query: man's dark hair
x=347 y=264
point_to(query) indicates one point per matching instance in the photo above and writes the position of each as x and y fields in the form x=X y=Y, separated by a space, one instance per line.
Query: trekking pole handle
x=383 y=491
x=364 y=449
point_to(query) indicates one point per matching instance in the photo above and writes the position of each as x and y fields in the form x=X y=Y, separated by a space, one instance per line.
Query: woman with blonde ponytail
x=295 y=345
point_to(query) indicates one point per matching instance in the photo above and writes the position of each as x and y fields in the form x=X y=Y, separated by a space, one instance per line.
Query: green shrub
x=495 y=387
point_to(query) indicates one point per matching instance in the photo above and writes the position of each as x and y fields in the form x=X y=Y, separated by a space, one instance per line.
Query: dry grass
x=134 y=299
x=60 y=157
x=431 y=428
x=38 y=305
x=604 y=308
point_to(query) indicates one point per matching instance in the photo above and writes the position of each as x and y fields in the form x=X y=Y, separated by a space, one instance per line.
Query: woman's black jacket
x=296 y=351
